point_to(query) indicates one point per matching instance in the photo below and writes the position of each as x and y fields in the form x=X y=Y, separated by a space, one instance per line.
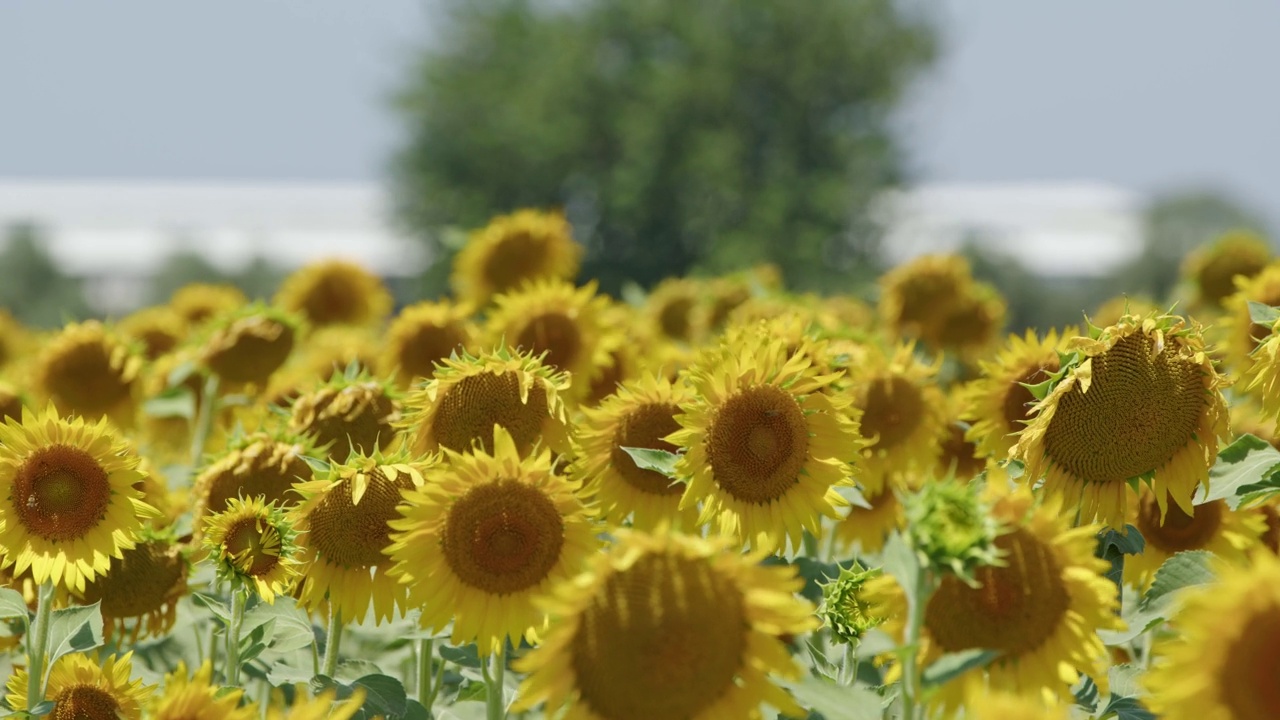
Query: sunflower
x=998 y=405
x=198 y=302
x=87 y=370
x=336 y=348
x=344 y=524
x=982 y=704
x=262 y=464
x=668 y=626
x=1248 y=417
x=673 y=310
x=912 y=293
x=487 y=535
x=71 y=503
x=1040 y=610
x=197 y=698
x=144 y=586
x=1241 y=335
x=11 y=401
x=335 y=292
x=903 y=410
x=639 y=415
x=765 y=443
x=1213 y=268
x=14 y=339
x=469 y=394
x=324 y=706
x=253 y=542
x=796 y=327
x=85 y=689
x=958 y=455
x=347 y=415
x=726 y=294
x=513 y=249
x=1139 y=400
x=1221 y=662
x=422 y=335
x=623 y=365
x=970 y=324
x=1112 y=309
x=866 y=529
x=250 y=343
x=1227 y=533
x=159 y=330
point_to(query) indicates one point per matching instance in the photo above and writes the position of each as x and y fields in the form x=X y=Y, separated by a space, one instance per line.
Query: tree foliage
x=678 y=136
x=32 y=287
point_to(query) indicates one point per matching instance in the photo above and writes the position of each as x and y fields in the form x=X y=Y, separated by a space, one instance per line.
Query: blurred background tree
x=678 y=137
x=32 y=287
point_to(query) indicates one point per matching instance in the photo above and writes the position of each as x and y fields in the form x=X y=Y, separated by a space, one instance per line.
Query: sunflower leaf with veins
x=656 y=460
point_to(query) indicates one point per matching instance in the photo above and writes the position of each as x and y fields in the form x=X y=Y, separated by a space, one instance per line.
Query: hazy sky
x=1148 y=94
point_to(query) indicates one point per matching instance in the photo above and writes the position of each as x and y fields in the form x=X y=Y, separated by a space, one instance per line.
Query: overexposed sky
x=1146 y=94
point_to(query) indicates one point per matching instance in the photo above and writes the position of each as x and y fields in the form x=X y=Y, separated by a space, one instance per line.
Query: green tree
x=32 y=287
x=678 y=136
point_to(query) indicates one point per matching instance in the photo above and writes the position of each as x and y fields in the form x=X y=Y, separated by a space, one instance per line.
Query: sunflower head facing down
x=84 y=688
x=422 y=335
x=335 y=292
x=141 y=589
x=197 y=697
x=88 y=370
x=199 y=302
x=1212 y=269
x=668 y=626
x=513 y=249
x=487 y=535
x=72 y=503
x=911 y=293
x=766 y=442
x=1139 y=401
x=352 y=413
x=247 y=345
x=159 y=329
x=254 y=543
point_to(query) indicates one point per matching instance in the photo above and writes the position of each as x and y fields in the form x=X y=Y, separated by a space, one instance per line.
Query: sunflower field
x=714 y=501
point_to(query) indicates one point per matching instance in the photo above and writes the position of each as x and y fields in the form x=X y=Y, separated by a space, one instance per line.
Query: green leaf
x=1249 y=460
x=1183 y=570
x=1263 y=314
x=353 y=669
x=179 y=374
x=902 y=563
x=955 y=664
x=465 y=656
x=656 y=460
x=819 y=662
x=293 y=630
x=12 y=605
x=385 y=694
x=1113 y=546
x=413 y=710
x=836 y=702
x=214 y=605
x=1126 y=708
x=74 y=629
x=473 y=691
x=174 y=402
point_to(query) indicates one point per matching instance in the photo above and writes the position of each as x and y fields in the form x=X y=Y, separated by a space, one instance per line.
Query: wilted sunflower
x=1139 y=400
x=998 y=404
x=343 y=521
x=673 y=310
x=912 y=294
x=471 y=393
x=85 y=689
x=197 y=698
x=422 y=335
x=71 y=502
x=335 y=292
x=640 y=415
x=556 y=321
x=486 y=536
x=668 y=626
x=1241 y=335
x=159 y=329
x=1227 y=533
x=765 y=443
x=1221 y=662
x=511 y=250
x=253 y=542
x=1040 y=610
x=262 y=464
x=142 y=588
x=1112 y=309
x=349 y=414
x=867 y=529
x=250 y=343
x=87 y=370
x=1213 y=268
x=198 y=302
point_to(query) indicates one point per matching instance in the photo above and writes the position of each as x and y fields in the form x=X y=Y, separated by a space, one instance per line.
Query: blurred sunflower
x=486 y=536
x=335 y=349
x=1248 y=416
x=197 y=302
x=71 y=503
x=866 y=529
x=726 y=294
x=344 y=526
x=668 y=626
x=85 y=689
x=640 y=415
x=623 y=365
x=158 y=329
x=1213 y=269
x=197 y=698
x=998 y=404
x=422 y=335
x=253 y=542
x=1226 y=533
x=335 y=292
x=798 y=329
x=263 y=464
x=248 y=344
x=88 y=370
x=912 y=294
x=511 y=250
x=324 y=706
x=14 y=339
x=471 y=393
x=958 y=455
x=1112 y=309
x=1220 y=663
x=1241 y=335
x=982 y=704
x=672 y=310
x=350 y=414
x=1137 y=400
x=141 y=588
x=971 y=324
x=1271 y=518
x=166 y=436
x=11 y=401
x=765 y=444
x=1040 y=610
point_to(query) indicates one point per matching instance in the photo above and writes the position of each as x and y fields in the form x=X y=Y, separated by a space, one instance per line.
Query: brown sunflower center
x=1179 y=531
x=83 y=379
x=85 y=702
x=557 y=335
x=519 y=256
x=664 y=638
x=892 y=410
x=1248 y=678
x=351 y=535
x=336 y=298
x=428 y=345
x=138 y=583
x=469 y=410
x=245 y=539
x=503 y=537
x=1015 y=609
x=1018 y=400
x=645 y=427
x=674 y=318
x=1139 y=411
x=758 y=444
x=60 y=493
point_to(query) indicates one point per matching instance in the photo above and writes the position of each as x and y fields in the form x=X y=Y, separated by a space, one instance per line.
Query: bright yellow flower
x=88 y=370
x=255 y=543
x=85 y=689
x=1228 y=534
x=197 y=698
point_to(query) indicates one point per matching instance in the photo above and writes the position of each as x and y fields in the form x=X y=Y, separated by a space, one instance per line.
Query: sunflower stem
x=238 y=598
x=204 y=420
x=436 y=684
x=332 y=641
x=915 y=624
x=425 y=650
x=37 y=644
x=494 y=698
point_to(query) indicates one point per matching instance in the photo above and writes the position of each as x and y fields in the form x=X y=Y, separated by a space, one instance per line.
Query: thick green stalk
x=238 y=598
x=495 y=700
x=910 y=663
x=204 y=421
x=426 y=648
x=38 y=645
x=333 y=640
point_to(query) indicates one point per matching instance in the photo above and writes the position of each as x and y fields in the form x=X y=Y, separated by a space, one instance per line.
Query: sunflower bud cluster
x=846 y=609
